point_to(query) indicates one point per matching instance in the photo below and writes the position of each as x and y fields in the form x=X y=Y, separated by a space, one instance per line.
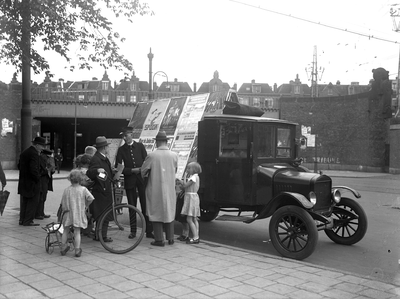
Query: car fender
x=283 y=199
x=355 y=192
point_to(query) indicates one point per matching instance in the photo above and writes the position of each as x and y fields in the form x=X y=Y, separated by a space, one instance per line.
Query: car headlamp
x=313 y=197
x=336 y=195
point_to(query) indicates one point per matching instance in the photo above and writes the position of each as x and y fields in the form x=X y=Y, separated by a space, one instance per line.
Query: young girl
x=191 y=205
x=75 y=200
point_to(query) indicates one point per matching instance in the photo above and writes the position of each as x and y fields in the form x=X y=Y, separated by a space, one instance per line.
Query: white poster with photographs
x=182 y=146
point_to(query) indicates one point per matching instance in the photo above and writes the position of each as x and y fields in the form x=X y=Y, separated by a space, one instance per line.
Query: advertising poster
x=112 y=149
x=182 y=145
x=138 y=118
x=215 y=103
x=152 y=123
x=172 y=115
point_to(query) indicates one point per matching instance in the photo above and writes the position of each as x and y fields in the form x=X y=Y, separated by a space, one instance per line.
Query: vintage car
x=249 y=164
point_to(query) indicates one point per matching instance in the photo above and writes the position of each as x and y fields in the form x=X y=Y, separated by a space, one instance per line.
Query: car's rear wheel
x=293 y=232
x=208 y=215
x=349 y=222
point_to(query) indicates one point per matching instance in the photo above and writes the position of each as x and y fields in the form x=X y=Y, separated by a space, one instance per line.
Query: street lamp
x=162 y=74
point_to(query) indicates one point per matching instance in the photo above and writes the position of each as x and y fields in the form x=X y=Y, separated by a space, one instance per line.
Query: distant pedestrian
x=160 y=190
x=58 y=158
x=74 y=202
x=191 y=204
x=3 y=179
x=47 y=168
x=29 y=181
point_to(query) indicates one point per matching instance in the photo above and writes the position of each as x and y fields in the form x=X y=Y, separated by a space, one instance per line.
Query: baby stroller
x=54 y=231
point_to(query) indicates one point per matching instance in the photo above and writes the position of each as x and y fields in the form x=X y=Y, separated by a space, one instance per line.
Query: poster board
x=112 y=149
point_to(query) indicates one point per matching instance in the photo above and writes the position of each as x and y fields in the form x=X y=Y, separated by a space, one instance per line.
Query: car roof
x=248 y=118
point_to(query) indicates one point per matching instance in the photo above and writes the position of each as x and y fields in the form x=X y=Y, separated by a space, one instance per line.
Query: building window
x=256 y=88
x=105 y=97
x=104 y=85
x=330 y=92
x=174 y=87
x=215 y=87
x=351 y=90
x=121 y=99
x=297 y=89
x=133 y=99
x=269 y=103
x=133 y=87
x=244 y=101
x=81 y=97
x=92 y=98
x=256 y=102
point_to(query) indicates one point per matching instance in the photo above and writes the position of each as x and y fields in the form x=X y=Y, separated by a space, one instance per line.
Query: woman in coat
x=160 y=166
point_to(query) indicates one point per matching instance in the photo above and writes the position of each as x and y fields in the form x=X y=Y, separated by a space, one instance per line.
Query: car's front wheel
x=349 y=222
x=293 y=232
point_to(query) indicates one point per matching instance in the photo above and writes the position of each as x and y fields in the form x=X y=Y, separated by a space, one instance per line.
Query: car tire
x=293 y=232
x=208 y=215
x=347 y=229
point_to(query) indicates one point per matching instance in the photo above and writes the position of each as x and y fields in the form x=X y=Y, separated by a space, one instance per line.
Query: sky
x=244 y=40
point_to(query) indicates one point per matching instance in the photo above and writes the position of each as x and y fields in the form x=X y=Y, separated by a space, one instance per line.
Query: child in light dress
x=75 y=199
x=191 y=204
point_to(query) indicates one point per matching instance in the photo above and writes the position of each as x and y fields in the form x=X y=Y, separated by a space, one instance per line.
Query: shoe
x=158 y=243
x=65 y=250
x=193 y=241
x=46 y=216
x=150 y=235
x=78 y=252
x=39 y=217
x=31 y=224
x=107 y=239
x=132 y=236
x=183 y=238
x=171 y=242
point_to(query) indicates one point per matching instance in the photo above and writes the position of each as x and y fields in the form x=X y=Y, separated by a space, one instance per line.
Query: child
x=191 y=204
x=75 y=200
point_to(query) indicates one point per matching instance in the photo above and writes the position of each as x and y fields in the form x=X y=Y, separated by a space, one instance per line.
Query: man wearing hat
x=29 y=181
x=132 y=154
x=100 y=172
x=47 y=168
x=160 y=190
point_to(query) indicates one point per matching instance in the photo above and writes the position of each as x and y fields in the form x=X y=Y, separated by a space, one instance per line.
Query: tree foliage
x=59 y=24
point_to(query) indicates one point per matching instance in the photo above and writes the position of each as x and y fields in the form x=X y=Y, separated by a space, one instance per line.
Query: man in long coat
x=160 y=166
x=100 y=172
x=47 y=168
x=29 y=181
x=132 y=154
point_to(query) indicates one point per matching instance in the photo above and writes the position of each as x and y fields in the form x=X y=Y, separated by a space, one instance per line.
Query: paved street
x=207 y=270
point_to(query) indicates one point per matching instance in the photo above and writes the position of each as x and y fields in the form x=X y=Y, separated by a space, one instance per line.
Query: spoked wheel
x=293 y=232
x=49 y=243
x=208 y=215
x=349 y=222
x=127 y=218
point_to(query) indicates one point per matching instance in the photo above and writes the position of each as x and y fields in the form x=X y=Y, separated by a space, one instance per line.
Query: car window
x=265 y=137
x=234 y=140
x=283 y=143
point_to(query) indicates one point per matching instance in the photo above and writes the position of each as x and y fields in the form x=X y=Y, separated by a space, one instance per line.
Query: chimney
x=94 y=79
x=175 y=80
x=194 y=87
x=234 y=86
x=275 y=87
x=253 y=81
x=337 y=82
x=61 y=80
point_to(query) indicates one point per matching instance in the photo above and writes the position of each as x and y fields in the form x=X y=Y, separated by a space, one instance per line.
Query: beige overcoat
x=160 y=189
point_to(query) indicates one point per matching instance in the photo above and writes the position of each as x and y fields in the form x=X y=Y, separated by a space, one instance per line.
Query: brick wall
x=351 y=131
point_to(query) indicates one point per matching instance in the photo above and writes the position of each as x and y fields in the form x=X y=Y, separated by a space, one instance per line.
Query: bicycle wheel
x=128 y=219
x=49 y=243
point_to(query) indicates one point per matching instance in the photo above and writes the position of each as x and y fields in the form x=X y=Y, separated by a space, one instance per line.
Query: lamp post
x=394 y=13
x=163 y=74
x=75 y=132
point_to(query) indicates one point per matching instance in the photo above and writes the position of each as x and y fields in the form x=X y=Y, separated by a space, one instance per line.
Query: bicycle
x=54 y=231
x=119 y=227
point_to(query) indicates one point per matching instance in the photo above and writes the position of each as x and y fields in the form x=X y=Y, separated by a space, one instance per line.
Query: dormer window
x=215 y=87
x=330 y=92
x=256 y=89
x=104 y=85
x=296 y=89
x=174 y=87
x=133 y=86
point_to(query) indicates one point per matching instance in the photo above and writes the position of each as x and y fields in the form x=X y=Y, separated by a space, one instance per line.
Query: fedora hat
x=47 y=151
x=39 y=140
x=162 y=136
x=101 y=141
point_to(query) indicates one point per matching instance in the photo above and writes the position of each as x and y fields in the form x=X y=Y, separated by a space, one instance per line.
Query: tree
x=56 y=25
